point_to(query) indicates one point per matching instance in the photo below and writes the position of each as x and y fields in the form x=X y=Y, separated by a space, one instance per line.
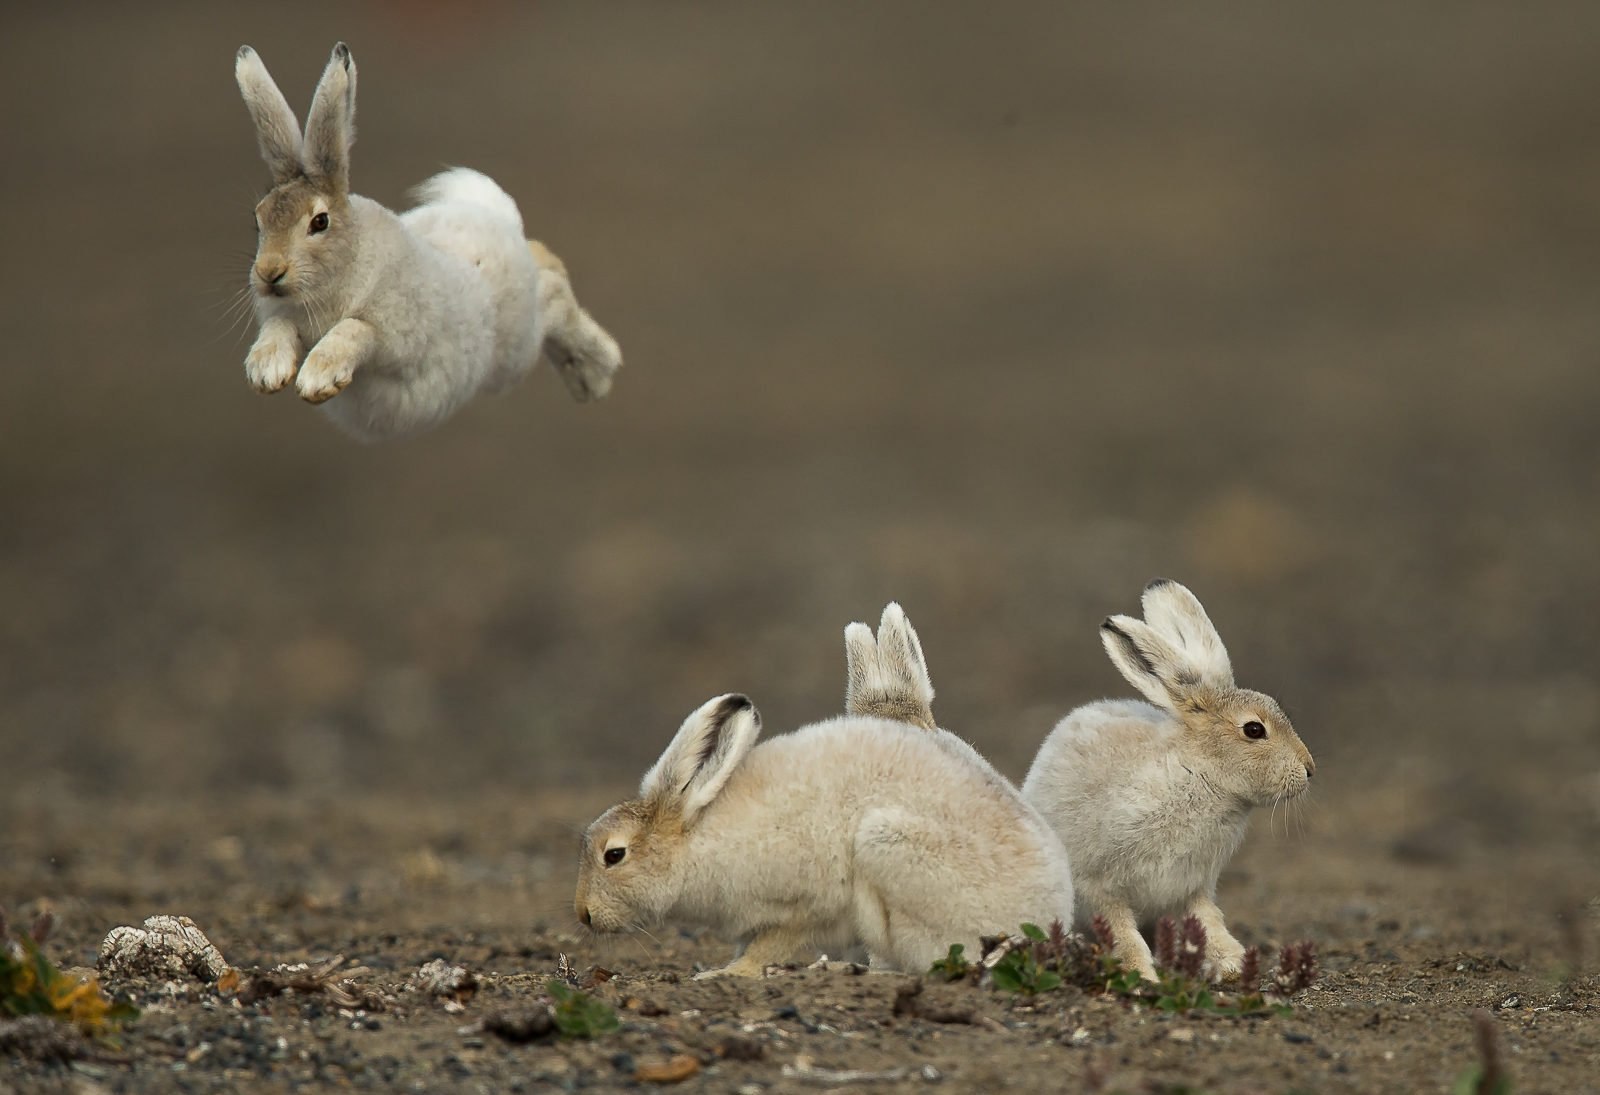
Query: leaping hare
x=408 y=316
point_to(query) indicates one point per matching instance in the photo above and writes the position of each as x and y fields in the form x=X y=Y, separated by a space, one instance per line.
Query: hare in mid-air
x=853 y=831
x=404 y=317
x=1152 y=799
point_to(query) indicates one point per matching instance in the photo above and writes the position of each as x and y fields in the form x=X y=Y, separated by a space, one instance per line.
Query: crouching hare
x=1152 y=799
x=409 y=315
x=854 y=831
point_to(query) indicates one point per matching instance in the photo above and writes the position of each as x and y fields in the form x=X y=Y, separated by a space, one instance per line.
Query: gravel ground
x=999 y=315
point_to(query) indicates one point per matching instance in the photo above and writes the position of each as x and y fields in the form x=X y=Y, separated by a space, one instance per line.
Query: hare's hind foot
x=770 y=948
x=583 y=354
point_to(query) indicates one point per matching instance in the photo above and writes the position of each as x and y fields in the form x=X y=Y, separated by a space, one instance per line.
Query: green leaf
x=953 y=966
x=579 y=1015
x=1033 y=932
x=1047 y=981
x=1471 y=1081
x=1006 y=978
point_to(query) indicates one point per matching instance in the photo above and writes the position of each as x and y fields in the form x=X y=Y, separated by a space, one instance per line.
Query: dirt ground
x=998 y=311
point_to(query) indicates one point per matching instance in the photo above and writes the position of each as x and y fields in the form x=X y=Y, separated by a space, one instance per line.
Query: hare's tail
x=462 y=184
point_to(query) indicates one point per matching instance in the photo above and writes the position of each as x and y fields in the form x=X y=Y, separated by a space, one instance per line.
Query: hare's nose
x=1311 y=767
x=583 y=915
x=272 y=273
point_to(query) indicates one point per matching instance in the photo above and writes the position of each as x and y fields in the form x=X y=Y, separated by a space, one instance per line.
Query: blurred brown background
x=998 y=310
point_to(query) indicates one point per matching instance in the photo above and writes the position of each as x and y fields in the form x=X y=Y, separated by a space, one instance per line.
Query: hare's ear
x=860 y=666
x=1177 y=616
x=331 y=125
x=276 y=128
x=888 y=676
x=706 y=750
x=1148 y=662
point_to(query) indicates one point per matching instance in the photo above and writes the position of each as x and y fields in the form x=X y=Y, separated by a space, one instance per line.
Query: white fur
x=406 y=317
x=886 y=674
x=855 y=830
x=1152 y=799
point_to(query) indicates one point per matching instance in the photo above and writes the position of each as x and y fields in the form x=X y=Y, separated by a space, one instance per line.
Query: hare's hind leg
x=912 y=900
x=582 y=352
x=772 y=947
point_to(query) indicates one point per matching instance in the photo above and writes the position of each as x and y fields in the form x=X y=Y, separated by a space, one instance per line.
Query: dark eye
x=614 y=856
x=1254 y=729
x=319 y=223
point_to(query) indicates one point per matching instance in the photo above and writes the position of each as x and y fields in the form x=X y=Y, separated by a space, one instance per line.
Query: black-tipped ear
x=331 y=124
x=720 y=720
x=1157 y=583
x=277 y=130
x=1143 y=658
x=704 y=753
x=1126 y=645
x=731 y=705
x=1176 y=614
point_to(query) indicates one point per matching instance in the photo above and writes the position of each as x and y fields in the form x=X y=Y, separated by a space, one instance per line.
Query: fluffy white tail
x=462 y=184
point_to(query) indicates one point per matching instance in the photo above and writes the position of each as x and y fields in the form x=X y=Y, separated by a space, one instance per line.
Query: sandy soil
x=996 y=314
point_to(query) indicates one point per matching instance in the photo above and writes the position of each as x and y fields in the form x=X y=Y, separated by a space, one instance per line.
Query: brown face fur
x=291 y=258
x=1262 y=770
x=635 y=891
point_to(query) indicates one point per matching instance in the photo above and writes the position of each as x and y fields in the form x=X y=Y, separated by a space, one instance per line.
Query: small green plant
x=1021 y=969
x=1488 y=1076
x=1038 y=961
x=577 y=1014
x=30 y=984
x=953 y=966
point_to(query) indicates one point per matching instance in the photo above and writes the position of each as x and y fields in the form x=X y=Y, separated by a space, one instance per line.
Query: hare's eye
x=1255 y=730
x=614 y=856
x=319 y=223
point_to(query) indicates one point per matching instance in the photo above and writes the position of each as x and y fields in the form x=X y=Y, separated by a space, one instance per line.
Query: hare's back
x=1101 y=740
x=868 y=763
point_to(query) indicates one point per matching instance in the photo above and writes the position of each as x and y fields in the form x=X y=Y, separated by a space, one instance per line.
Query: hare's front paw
x=272 y=362
x=324 y=376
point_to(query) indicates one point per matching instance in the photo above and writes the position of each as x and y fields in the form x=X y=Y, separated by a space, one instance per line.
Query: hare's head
x=304 y=234
x=1176 y=658
x=630 y=870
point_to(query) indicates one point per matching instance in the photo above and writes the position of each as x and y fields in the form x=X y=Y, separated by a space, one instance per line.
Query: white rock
x=167 y=946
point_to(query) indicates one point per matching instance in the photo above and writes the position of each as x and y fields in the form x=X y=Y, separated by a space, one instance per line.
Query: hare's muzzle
x=269 y=277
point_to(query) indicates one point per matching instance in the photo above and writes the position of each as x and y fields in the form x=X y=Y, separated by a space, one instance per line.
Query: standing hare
x=1152 y=799
x=850 y=831
x=408 y=315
